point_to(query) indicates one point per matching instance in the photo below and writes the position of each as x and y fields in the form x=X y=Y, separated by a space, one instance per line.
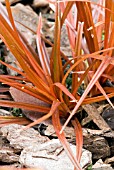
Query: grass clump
x=46 y=77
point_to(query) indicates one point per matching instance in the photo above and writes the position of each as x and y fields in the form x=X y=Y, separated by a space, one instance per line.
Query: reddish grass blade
x=57 y=126
x=97 y=99
x=4 y=96
x=108 y=5
x=79 y=138
x=26 y=106
x=55 y=60
x=66 y=11
x=104 y=93
x=31 y=90
x=44 y=58
x=94 y=79
x=65 y=90
x=13 y=68
x=6 y=120
x=85 y=15
x=77 y=52
x=14 y=41
x=4 y=89
x=10 y=16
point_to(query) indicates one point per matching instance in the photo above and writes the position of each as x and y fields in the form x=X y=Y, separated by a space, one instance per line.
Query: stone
x=36 y=151
x=7 y=153
x=110 y=160
x=40 y=3
x=51 y=155
x=27 y=22
x=5 y=113
x=20 y=139
x=26 y=16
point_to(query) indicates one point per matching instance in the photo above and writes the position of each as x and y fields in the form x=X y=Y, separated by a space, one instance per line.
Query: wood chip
x=96 y=117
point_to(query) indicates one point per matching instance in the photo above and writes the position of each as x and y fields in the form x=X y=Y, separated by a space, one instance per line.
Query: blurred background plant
x=63 y=83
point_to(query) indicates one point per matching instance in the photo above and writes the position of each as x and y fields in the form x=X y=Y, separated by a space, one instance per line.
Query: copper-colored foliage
x=45 y=77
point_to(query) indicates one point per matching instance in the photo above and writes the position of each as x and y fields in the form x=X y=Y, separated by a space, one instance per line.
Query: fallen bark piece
x=51 y=155
x=98 y=146
x=89 y=118
x=96 y=117
x=19 y=139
